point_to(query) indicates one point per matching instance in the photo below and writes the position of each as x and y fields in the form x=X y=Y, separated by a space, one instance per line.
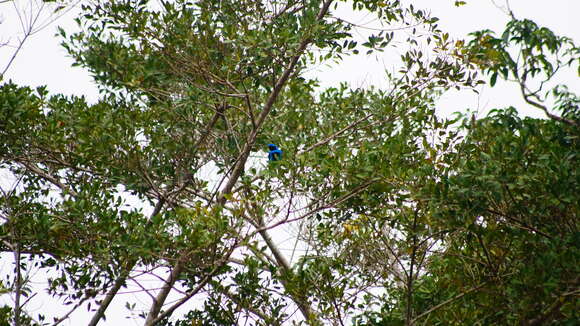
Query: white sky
x=43 y=62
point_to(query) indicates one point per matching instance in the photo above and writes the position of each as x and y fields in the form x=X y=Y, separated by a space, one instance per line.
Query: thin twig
x=446 y=302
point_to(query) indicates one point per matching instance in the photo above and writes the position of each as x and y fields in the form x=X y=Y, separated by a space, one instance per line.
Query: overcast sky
x=43 y=62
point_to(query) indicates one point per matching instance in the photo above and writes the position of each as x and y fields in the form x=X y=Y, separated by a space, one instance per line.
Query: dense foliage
x=395 y=215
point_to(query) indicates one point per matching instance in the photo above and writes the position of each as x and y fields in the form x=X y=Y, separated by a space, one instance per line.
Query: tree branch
x=195 y=290
x=544 y=108
x=17 y=285
x=446 y=302
x=120 y=281
x=162 y=296
x=241 y=162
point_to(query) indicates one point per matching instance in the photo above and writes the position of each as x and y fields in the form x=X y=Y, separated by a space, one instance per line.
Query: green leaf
x=493 y=79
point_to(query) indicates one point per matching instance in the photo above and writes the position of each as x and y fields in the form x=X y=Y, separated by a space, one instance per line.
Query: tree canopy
x=380 y=212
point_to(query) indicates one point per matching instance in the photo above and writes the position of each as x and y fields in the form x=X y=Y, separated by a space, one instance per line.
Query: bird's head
x=272 y=147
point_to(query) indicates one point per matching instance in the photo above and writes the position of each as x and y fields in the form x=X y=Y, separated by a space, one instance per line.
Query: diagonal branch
x=241 y=162
x=120 y=281
x=195 y=290
x=52 y=179
x=448 y=301
x=545 y=109
x=162 y=296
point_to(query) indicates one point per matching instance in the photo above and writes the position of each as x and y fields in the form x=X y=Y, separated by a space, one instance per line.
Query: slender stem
x=17 y=285
x=410 y=284
x=67 y=315
x=225 y=291
x=448 y=301
x=20 y=44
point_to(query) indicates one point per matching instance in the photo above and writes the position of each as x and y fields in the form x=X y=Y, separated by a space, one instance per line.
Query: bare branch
x=73 y=309
x=162 y=295
x=527 y=98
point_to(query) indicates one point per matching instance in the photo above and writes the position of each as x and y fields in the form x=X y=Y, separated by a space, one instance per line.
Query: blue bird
x=275 y=154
